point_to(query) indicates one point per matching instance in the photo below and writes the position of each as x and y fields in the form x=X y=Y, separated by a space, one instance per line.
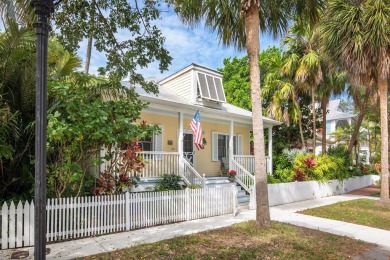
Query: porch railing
x=190 y=175
x=159 y=163
x=243 y=177
x=248 y=162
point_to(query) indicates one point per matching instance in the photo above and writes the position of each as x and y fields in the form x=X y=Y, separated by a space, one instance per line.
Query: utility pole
x=43 y=9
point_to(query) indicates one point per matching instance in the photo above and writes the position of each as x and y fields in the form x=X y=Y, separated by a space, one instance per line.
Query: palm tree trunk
x=383 y=85
x=252 y=25
x=90 y=37
x=360 y=119
x=299 y=120
x=301 y=131
x=89 y=51
x=324 y=104
x=314 y=118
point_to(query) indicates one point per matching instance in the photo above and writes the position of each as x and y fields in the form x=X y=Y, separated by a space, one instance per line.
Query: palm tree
x=356 y=37
x=333 y=84
x=238 y=23
x=304 y=63
x=284 y=105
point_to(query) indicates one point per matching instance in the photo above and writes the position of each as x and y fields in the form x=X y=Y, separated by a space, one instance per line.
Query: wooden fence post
x=187 y=203
x=127 y=214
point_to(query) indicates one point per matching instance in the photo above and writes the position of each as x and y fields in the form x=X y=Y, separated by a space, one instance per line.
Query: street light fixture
x=43 y=9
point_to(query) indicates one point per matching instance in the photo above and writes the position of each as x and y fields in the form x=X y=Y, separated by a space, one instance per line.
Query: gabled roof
x=335 y=112
x=176 y=102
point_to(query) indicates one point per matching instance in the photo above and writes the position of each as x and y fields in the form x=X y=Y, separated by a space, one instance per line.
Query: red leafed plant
x=122 y=169
x=299 y=175
x=309 y=162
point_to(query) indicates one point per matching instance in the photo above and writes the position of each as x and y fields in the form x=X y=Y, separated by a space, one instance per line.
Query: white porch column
x=270 y=149
x=231 y=136
x=181 y=133
x=180 y=143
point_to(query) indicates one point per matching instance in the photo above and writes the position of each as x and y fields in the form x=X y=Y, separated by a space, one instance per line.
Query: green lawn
x=247 y=241
x=360 y=211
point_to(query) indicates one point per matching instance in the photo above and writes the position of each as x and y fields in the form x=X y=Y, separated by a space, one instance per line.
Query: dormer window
x=210 y=87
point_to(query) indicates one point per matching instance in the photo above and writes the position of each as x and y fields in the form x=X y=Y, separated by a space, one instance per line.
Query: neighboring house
x=226 y=128
x=336 y=118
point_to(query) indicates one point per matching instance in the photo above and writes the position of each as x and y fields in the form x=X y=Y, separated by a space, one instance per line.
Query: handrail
x=243 y=177
x=190 y=175
x=248 y=162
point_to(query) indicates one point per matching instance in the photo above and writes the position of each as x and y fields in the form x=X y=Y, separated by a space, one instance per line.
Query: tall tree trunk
x=360 y=119
x=301 y=131
x=252 y=27
x=382 y=86
x=90 y=37
x=314 y=118
x=324 y=105
x=299 y=120
x=88 y=55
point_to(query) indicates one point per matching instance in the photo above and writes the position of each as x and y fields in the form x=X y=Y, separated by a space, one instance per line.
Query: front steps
x=242 y=197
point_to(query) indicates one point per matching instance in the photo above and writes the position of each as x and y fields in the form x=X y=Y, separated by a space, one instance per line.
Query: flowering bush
x=232 y=174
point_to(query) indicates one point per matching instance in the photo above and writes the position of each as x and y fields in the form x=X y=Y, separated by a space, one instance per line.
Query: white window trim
x=214 y=144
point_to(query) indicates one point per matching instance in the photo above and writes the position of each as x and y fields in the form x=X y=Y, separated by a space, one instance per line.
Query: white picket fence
x=72 y=218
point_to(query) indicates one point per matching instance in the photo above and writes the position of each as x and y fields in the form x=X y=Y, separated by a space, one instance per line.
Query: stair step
x=242 y=200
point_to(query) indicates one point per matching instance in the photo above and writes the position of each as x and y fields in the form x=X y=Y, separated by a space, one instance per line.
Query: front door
x=188 y=148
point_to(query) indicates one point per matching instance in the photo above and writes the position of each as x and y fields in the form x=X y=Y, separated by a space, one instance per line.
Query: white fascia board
x=189 y=109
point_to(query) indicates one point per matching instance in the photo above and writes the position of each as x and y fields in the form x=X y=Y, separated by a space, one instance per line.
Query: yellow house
x=226 y=128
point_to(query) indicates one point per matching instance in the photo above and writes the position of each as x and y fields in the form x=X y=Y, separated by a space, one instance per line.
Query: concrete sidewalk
x=283 y=213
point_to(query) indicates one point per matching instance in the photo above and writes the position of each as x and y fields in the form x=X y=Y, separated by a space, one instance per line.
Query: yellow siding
x=170 y=125
x=203 y=162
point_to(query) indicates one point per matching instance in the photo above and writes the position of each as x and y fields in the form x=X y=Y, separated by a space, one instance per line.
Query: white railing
x=248 y=162
x=243 y=177
x=159 y=163
x=190 y=175
x=72 y=218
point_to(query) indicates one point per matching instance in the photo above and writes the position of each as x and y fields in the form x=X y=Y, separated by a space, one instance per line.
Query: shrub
x=284 y=175
x=271 y=179
x=293 y=153
x=341 y=151
x=168 y=182
x=329 y=167
x=281 y=161
x=299 y=175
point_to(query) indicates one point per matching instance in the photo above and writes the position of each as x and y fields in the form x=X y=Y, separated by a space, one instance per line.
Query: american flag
x=197 y=130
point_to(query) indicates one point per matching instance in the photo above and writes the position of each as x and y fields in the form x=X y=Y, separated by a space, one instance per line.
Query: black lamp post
x=43 y=9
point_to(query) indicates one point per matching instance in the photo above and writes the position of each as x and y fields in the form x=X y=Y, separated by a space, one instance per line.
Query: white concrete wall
x=284 y=193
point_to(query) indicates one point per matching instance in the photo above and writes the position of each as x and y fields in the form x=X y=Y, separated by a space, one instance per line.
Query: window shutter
x=158 y=141
x=214 y=146
x=239 y=144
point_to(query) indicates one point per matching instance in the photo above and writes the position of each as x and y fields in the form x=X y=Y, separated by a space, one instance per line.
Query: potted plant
x=232 y=175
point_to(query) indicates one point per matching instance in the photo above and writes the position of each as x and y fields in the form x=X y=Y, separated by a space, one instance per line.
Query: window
x=220 y=145
x=210 y=87
x=223 y=146
x=327 y=127
x=342 y=124
x=153 y=143
x=146 y=144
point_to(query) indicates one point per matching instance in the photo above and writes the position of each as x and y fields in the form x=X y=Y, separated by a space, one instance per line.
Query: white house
x=336 y=118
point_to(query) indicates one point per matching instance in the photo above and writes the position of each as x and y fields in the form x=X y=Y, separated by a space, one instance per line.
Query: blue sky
x=185 y=45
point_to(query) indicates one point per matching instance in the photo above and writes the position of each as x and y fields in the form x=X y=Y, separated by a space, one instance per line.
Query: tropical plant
x=88 y=113
x=168 y=182
x=304 y=64
x=356 y=36
x=238 y=23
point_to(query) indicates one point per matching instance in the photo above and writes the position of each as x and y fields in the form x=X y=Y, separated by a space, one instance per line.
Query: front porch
x=159 y=163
